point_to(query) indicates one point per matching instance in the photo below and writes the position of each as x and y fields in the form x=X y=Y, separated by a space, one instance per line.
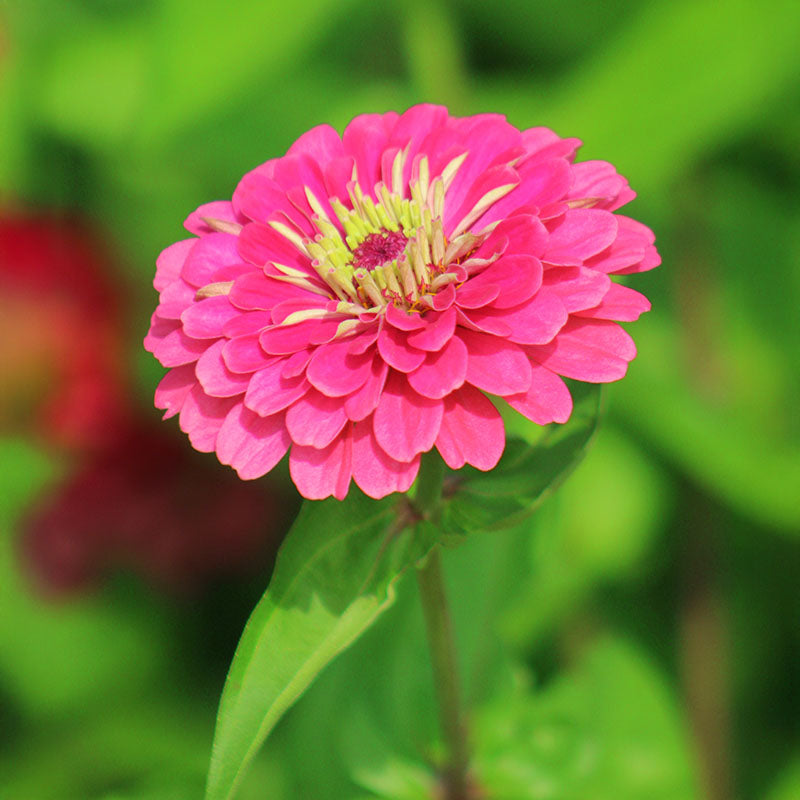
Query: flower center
x=388 y=248
x=379 y=249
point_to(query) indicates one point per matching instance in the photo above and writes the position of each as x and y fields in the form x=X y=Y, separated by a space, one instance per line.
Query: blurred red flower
x=133 y=499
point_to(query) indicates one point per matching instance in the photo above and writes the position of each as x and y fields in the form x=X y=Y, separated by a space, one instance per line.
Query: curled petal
x=396 y=351
x=442 y=372
x=215 y=378
x=547 y=400
x=362 y=402
x=269 y=392
x=620 y=303
x=582 y=233
x=315 y=419
x=320 y=473
x=174 y=388
x=595 y=351
x=405 y=423
x=376 y=473
x=251 y=444
x=202 y=416
x=471 y=431
x=495 y=365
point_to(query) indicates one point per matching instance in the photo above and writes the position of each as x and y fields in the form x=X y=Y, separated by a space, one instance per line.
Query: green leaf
x=529 y=471
x=609 y=730
x=334 y=576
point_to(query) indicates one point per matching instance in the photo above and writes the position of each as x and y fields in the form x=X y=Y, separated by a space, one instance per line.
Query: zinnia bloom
x=361 y=298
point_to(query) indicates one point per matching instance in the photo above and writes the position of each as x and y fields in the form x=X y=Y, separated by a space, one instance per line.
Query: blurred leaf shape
x=599 y=528
x=680 y=78
x=58 y=658
x=608 y=729
x=726 y=453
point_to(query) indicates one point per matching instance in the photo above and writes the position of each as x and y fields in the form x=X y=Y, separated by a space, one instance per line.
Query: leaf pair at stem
x=338 y=570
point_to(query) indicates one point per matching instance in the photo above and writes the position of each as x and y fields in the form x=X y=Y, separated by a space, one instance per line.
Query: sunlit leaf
x=333 y=578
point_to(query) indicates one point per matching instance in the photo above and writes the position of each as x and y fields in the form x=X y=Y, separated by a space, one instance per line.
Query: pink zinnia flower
x=361 y=296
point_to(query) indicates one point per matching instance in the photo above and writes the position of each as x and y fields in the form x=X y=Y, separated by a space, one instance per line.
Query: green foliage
x=135 y=112
x=607 y=730
x=334 y=576
x=530 y=470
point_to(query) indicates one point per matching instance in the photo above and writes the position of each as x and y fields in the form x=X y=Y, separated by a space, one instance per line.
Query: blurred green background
x=652 y=606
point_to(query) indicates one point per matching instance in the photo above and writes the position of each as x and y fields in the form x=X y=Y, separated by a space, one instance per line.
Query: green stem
x=445 y=675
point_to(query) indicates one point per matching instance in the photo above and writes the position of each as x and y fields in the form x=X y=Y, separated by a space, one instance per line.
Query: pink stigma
x=379 y=248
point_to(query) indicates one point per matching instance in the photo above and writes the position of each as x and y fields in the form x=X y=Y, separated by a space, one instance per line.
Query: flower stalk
x=441 y=642
x=446 y=676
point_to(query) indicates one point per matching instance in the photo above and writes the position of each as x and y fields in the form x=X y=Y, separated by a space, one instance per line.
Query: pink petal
x=442 y=371
x=456 y=217
x=517 y=277
x=315 y=419
x=541 y=143
x=176 y=349
x=336 y=371
x=471 y=432
x=321 y=473
x=548 y=400
x=620 y=303
x=445 y=298
x=208 y=256
x=252 y=445
x=650 y=259
x=244 y=354
x=362 y=402
x=403 y=320
x=206 y=319
x=584 y=232
x=287 y=339
x=261 y=244
x=170 y=263
x=173 y=389
x=175 y=298
x=261 y=198
x=438 y=330
x=495 y=365
x=486 y=323
x=415 y=124
x=365 y=138
x=301 y=302
x=396 y=351
x=535 y=321
x=246 y=323
x=600 y=179
x=524 y=233
x=296 y=363
x=215 y=378
x=202 y=416
x=219 y=209
x=405 y=423
x=321 y=143
x=477 y=292
x=577 y=287
x=486 y=139
x=257 y=291
x=269 y=392
x=541 y=183
x=595 y=351
x=375 y=473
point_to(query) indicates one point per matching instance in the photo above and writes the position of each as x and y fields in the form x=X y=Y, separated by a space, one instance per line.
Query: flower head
x=361 y=296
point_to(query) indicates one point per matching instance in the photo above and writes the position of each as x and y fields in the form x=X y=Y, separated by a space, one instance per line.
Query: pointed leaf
x=334 y=576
